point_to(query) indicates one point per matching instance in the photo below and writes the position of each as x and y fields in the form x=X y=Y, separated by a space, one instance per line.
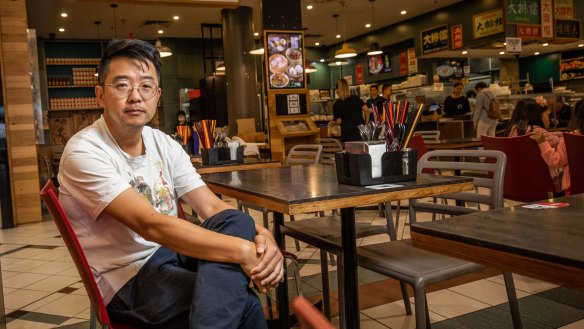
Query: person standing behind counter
x=348 y=112
x=482 y=123
x=456 y=103
x=373 y=100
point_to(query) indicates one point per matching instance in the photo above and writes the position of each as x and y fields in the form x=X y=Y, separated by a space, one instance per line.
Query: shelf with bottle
x=72 y=61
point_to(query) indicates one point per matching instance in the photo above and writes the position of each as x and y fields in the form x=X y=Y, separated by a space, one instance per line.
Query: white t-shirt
x=94 y=171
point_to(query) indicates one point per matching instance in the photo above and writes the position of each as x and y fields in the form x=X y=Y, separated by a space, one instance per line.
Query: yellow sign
x=488 y=23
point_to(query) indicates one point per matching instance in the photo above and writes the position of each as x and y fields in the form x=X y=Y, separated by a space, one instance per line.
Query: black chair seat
x=399 y=259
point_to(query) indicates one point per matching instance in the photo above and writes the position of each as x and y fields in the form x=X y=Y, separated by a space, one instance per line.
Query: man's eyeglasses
x=146 y=89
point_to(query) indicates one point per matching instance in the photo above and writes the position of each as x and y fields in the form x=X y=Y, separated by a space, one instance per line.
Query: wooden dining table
x=305 y=189
x=453 y=144
x=248 y=164
x=546 y=244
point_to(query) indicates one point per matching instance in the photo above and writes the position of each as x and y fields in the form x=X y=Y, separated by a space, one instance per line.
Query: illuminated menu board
x=285 y=62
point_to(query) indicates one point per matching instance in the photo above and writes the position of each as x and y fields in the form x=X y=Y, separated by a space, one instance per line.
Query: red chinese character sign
x=488 y=23
x=457 y=36
x=528 y=31
x=434 y=39
x=403 y=62
x=564 y=9
x=359 y=73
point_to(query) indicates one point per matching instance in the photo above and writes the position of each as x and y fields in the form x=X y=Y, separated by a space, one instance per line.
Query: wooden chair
x=575 y=149
x=527 y=177
x=308 y=316
x=330 y=146
x=49 y=195
x=417 y=267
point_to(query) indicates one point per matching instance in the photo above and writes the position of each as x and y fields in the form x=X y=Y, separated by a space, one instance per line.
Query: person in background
x=472 y=101
x=563 y=112
x=120 y=182
x=456 y=103
x=183 y=132
x=373 y=100
x=481 y=121
x=348 y=112
x=558 y=157
x=531 y=117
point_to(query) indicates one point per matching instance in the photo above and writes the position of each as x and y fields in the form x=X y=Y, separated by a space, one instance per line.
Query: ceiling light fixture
x=368 y=25
x=259 y=48
x=536 y=53
x=64 y=15
x=501 y=53
x=336 y=17
x=255 y=34
x=163 y=50
x=61 y=29
x=98 y=25
x=322 y=60
x=160 y=31
x=176 y=18
x=317 y=43
x=309 y=7
x=220 y=66
x=403 y=12
x=545 y=44
x=581 y=45
x=345 y=51
x=374 y=48
x=114 y=6
x=464 y=52
x=338 y=63
x=309 y=67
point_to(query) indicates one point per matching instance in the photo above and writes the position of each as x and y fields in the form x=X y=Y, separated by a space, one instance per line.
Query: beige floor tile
x=68 y=305
x=486 y=291
x=7 y=260
x=9 y=274
x=8 y=247
x=526 y=283
x=53 y=283
x=8 y=290
x=25 y=265
x=51 y=255
x=22 y=297
x=450 y=304
x=27 y=253
x=23 y=280
x=22 y=324
x=72 y=321
x=85 y=314
x=81 y=291
x=52 y=268
x=310 y=269
x=393 y=315
x=42 y=302
x=70 y=272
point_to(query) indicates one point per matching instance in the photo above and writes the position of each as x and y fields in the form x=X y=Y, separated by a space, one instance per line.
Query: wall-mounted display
x=285 y=64
x=375 y=64
x=567 y=29
x=488 y=23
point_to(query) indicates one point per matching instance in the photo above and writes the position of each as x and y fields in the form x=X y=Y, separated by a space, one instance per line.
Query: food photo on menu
x=285 y=60
x=375 y=64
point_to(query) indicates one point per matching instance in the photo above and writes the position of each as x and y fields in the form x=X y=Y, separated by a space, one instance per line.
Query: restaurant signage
x=285 y=59
x=528 y=31
x=522 y=11
x=412 y=61
x=403 y=62
x=563 y=9
x=513 y=45
x=488 y=23
x=456 y=36
x=375 y=64
x=547 y=19
x=567 y=29
x=359 y=73
x=434 y=39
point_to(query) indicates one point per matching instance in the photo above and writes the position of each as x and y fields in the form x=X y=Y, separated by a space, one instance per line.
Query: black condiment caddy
x=221 y=155
x=396 y=166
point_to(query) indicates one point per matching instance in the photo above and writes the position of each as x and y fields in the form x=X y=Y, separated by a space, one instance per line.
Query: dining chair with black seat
x=574 y=148
x=400 y=260
x=301 y=154
x=49 y=195
x=527 y=177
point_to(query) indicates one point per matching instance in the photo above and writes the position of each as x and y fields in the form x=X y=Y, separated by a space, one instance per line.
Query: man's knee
x=232 y=222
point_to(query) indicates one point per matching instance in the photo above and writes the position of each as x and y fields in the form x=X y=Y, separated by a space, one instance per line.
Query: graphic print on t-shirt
x=163 y=198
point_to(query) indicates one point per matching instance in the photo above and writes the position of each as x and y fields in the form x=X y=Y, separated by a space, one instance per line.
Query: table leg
x=282 y=290
x=348 y=284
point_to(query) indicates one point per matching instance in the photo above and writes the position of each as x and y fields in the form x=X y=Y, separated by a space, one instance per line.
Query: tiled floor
x=42 y=289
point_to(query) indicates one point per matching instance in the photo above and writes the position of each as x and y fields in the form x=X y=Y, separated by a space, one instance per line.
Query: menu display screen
x=285 y=61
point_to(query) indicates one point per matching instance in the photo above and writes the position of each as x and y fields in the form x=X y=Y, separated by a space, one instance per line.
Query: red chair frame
x=49 y=195
x=574 y=148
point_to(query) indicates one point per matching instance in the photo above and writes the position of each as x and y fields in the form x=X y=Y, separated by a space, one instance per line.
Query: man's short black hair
x=130 y=48
x=480 y=85
x=374 y=86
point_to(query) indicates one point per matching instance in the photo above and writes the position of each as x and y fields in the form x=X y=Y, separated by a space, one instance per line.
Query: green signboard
x=522 y=11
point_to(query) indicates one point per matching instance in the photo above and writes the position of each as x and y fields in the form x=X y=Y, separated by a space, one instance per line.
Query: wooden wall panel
x=22 y=150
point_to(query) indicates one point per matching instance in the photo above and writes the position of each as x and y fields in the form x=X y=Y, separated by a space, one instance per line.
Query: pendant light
x=309 y=68
x=374 y=49
x=259 y=49
x=162 y=50
x=345 y=51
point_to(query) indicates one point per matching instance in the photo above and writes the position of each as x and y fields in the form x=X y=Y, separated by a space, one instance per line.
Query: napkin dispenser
x=361 y=164
x=222 y=155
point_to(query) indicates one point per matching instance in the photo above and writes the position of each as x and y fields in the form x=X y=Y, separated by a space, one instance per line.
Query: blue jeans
x=172 y=291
